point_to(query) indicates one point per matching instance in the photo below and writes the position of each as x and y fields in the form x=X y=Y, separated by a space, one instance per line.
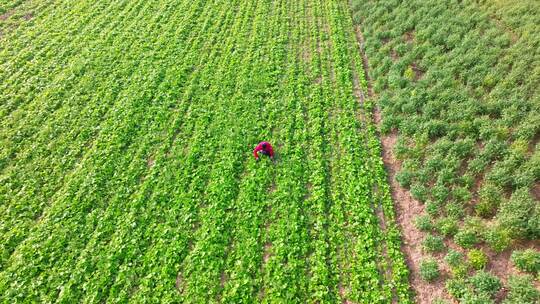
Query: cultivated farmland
x=126 y=171
x=406 y=135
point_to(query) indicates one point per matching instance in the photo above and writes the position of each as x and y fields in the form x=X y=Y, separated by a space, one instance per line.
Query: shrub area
x=457 y=83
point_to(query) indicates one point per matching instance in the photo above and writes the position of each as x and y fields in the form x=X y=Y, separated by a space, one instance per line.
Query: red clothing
x=267 y=151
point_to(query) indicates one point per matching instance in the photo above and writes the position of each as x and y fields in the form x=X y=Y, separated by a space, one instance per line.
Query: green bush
x=485 y=209
x=477 y=258
x=466 y=238
x=498 y=238
x=520 y=215
x=519 y=147
x=429 y=270
x=502 y=172
x=454 y=258
x=522 y=291
x=423 y=223
x=455 y=210
x=471 y=297
x=527 y=260
x=461 y=194
x=456 y=287
x=490 y=199
x=419 y=192
x=433 y=208
x=447 y=226
x=467 y=180
x=404 y=178
x=409 y=73
x=524 y=177
x=401 y=149
x=484 y=282
x=456 y=261
x=475 y=224
x=439 y=192
x=433 y=243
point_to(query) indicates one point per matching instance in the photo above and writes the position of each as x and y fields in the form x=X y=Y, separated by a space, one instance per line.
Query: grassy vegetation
x=126 y=130
x=458 y=84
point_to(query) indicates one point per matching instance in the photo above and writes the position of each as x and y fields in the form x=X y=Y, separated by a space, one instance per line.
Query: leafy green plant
x=484 y=282
x=456 y=261
x=454 y=258
x=423 y=223
x=429 y=270
x=490 y=199
x=477 y=258
x=455 y=210
x=433 y=208
x=456 y=287
x=419 y=192
x=447 y=226
x=527 y=260
x=461 y=194
x=519 y=147
x=433 y=243
x=522 y=291
x=498 y=238
x=472 y=297
x=409 y=73
x=466 y=238
x=519 y=215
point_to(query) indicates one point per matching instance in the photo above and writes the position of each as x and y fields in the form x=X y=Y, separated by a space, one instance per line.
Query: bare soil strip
x=407 y=208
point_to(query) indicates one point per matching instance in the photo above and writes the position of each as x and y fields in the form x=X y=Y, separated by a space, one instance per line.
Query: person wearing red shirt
x=264 y=148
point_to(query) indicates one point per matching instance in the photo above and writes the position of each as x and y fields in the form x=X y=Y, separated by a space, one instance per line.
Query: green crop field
x=126 y=167
x=407 y=147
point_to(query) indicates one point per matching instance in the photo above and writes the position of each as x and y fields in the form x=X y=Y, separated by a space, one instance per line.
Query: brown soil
x=272 y=187
x=267 y=252
x=309 y=187
x=418 y=72
x=394 y=55
x=179 y=281
x=222 y=279
x=6 y=15
x=535 y=191
x=407 y=208
x=478 y=181
x=500 y=263
x=409 y=36
x=150 y=162
x=343 y=295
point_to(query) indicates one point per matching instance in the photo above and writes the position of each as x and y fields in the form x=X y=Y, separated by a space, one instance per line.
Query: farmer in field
x=263 y=148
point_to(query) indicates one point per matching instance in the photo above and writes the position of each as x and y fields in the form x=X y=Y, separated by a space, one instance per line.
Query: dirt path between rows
x=407 y=208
